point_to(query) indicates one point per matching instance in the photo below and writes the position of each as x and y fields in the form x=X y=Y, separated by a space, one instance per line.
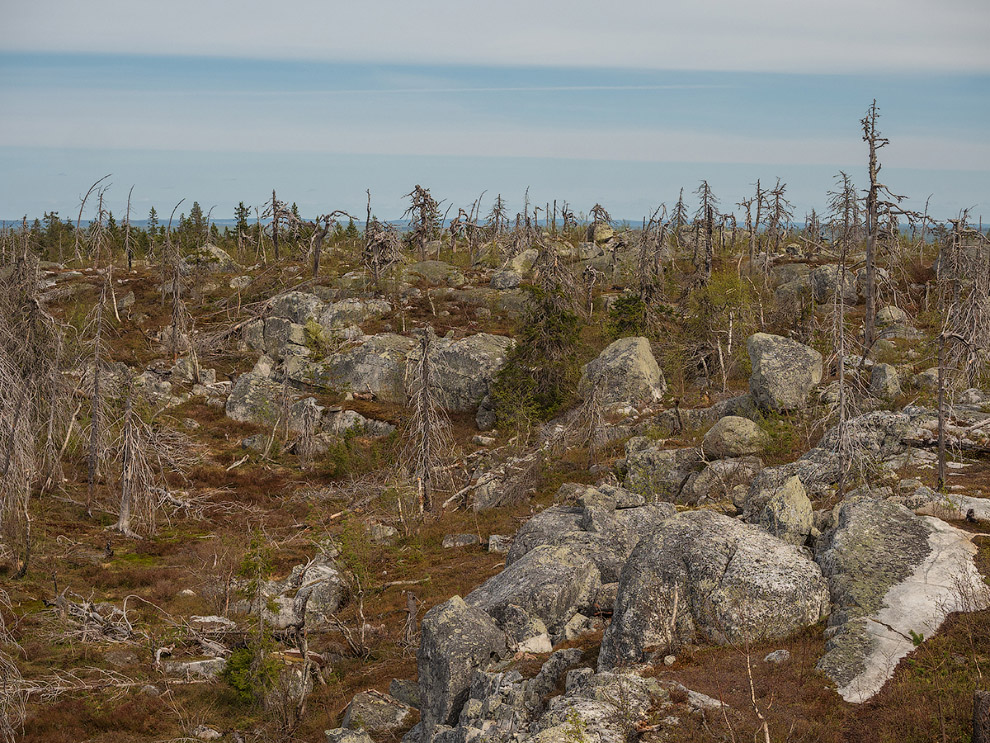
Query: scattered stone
x=205 y=732
x=891 y=315
x=778 y=657
x=499 y=543
x=343 y=735
x=669 y=660
x=382 y=533
x=885 y=381
x=451 y=541
x=205 y=669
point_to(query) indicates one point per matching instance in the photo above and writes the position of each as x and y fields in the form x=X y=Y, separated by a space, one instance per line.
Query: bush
x=626 y=316
x=251 y=672
x=541 y=371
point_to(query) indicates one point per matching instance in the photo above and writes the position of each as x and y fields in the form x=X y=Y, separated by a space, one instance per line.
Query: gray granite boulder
x=658 y=473
x=456 y=639
x=625 y=372
x=784 y=372
x=788 y=514
x=702 y=575
x=550 y=583
x=733 y=436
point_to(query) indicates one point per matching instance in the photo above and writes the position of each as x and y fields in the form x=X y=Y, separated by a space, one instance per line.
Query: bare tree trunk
x=941 y=412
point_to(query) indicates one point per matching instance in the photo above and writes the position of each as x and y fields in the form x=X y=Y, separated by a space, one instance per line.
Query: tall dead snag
x=428 y=435
x=650 y=265
x=704 y=228
x=678 y=219
x=842 y=205
x=424 y=216
x=871 y=135
x=964 y=297
x=780 y=212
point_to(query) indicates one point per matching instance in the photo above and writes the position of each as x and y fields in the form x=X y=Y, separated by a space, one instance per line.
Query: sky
x=622 y=104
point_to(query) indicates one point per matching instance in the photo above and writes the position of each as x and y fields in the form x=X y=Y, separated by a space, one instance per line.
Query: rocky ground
x=688 y=568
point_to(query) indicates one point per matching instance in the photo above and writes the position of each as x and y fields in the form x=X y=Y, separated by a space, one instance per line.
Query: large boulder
x=659 y=474
x=704 y=575
x=734 y=436
x=254 y=396
x=376 y=365
x=784 y=372
x=351 y=311
x=456 y=639
x=212 y=259
x=625 y=372
x=825 y=284
x=788 y=514
x=894 y=578
x=466 y=367
x=597 y=530
x=548 y=583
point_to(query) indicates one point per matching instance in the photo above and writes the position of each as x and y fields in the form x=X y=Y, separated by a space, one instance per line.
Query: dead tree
x=382 y=246
x=780 y=212
x=82 y=205
x=428 y=433
x=127 y=232
x=34 y=400
x=704 y=221
x=678 y=219
x=650 y=265
x=842 y=203
x=871 y=135
x=964 y=295
x=423 y=214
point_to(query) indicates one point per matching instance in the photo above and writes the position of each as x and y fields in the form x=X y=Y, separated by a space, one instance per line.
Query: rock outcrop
x=894 y=578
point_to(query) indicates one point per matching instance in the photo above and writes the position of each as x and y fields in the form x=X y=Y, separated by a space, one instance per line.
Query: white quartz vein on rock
x=945 y=582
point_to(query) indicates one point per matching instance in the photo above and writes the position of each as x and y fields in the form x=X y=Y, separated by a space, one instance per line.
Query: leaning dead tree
x=428 y=434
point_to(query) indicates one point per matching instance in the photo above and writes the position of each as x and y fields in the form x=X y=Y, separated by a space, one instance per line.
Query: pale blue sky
x=623 y=108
